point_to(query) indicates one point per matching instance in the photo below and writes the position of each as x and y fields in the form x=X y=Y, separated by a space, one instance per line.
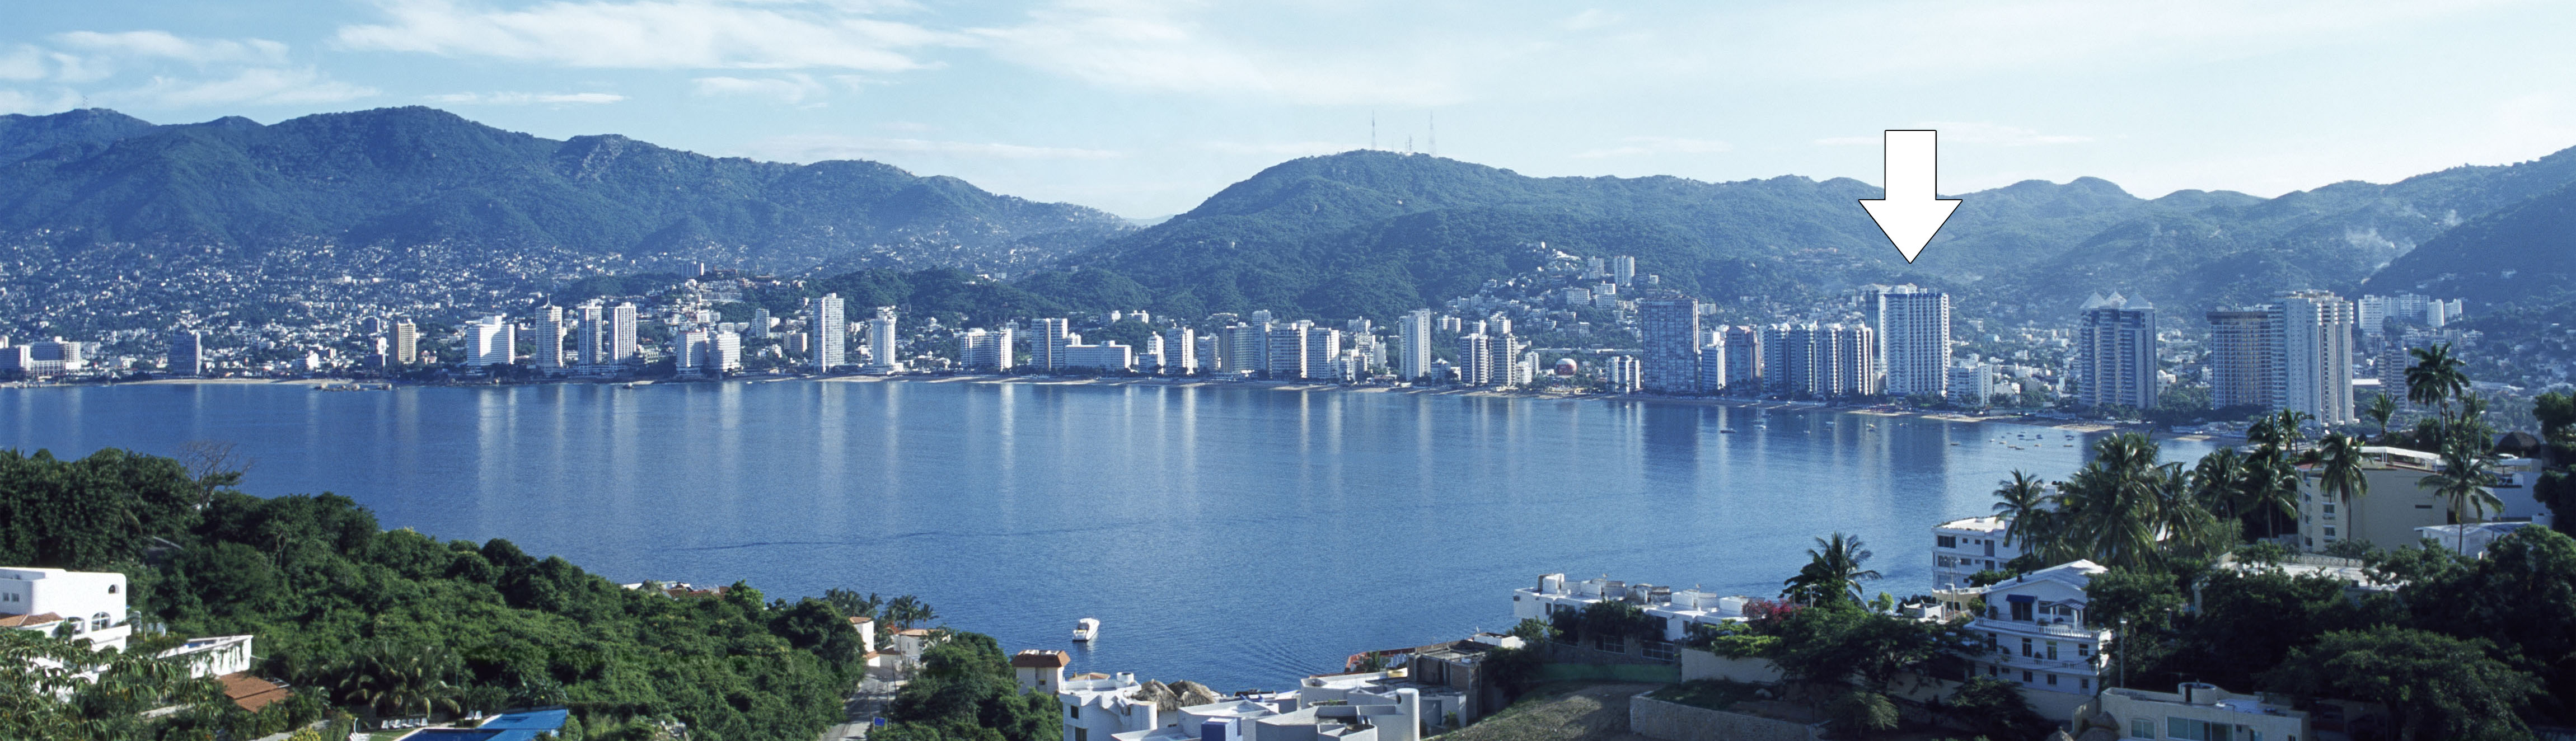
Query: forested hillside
x=1371 y=233
x=397 y=622
x=413 y=176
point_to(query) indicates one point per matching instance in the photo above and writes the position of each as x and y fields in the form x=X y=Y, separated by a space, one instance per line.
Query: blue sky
x=1144 y=108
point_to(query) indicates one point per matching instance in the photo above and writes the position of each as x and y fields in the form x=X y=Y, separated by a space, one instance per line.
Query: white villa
x=1963 y=547
x=2035 y=634
x=2197 y=711
x=1372 y=706
x=90 y=605
x=1679 y=609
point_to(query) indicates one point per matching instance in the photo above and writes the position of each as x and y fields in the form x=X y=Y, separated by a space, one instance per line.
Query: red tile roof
x=21 y=621
x=251 y=693
x=1040 y=659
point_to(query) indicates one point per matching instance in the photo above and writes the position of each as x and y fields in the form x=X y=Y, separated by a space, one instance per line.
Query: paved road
x=861 y=709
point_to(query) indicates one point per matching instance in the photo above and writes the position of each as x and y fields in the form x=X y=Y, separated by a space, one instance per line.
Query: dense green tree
x=2246 y=622
x=2521 y=595
x=1994 y=708
x=1842 y=645
x=2435 y=686
x=92 y=512
x=2140 y=606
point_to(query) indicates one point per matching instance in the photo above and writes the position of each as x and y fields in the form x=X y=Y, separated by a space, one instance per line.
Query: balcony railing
x=2086 y=665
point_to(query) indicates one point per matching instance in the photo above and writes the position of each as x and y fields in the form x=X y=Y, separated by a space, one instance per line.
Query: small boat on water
x=1727 y=431
x=1086 y=629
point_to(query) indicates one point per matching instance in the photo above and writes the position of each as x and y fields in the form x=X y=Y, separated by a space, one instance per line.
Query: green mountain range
x=1373 y=233
x=1362 y=233
x=406 y=176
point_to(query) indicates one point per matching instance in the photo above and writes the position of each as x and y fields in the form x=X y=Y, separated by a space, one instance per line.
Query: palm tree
x=2022 y=501
x=2279 y=430
x=2218 y=480
x=2110 y=506
x=1833 y=571
x=2463 y=483
x=2269 y=489
x=2188 y=529
x=2436 y=378
x=2380 y=408
x=392 y=679
x=2338 y=459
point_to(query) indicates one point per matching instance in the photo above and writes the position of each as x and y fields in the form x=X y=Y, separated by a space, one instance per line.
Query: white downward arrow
x=1910 y=214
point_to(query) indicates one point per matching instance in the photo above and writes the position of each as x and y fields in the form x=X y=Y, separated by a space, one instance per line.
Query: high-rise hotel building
x=2115 y=353
x=831 y=331
x=1669 y=328
x=2294 y=353
x=1913 y=328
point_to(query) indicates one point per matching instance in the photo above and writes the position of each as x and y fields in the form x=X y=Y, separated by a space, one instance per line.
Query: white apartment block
x=2035 y=635
x=1413 y=359
x=881 y=337
x=2315 y=354
x=490 y=341
x=1914 y=333
x=1180 y=352
x=1963 y=547
x=830 y=329
x=985 y=349
x=2198 y=711
x=91 y=604
x=1107 y=356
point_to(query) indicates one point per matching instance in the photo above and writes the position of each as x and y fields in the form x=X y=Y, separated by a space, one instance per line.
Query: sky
x=1145 y=108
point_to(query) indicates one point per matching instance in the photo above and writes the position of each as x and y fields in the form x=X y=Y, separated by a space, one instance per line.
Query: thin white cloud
x=819 y=147
x=253 y=86
x=1642 y=145
x=525 y=98
x=1968 y=132
x=159 y=69
x=647 y=34
x=22 y=101
x=23 y=63
x=1174 y=47
x=165 y=45
x=1589 y=19
x=792 y=88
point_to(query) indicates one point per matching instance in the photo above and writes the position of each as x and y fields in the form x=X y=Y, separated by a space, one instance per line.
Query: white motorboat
x=1086 y=629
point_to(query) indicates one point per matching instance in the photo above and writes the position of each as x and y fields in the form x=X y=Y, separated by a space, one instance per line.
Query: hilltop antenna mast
x=1372 y=129
x=1435 y=135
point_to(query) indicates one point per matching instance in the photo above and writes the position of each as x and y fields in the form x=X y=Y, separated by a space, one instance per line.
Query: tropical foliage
x=395 y=623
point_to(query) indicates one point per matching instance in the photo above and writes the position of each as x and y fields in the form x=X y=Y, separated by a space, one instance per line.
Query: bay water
x=1233 y=534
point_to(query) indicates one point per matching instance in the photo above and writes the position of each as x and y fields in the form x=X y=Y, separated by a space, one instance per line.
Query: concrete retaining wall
x=1657 y=673
x=1698 y=664
x=1672 y=721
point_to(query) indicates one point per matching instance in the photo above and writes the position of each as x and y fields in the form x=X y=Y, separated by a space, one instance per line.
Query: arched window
x=111 y=589
x=98 y=621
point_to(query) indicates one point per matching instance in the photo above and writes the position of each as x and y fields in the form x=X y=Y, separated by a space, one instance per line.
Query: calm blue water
x=1236 y=536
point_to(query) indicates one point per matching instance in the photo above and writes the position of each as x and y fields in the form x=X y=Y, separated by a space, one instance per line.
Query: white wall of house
x=93 y=602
